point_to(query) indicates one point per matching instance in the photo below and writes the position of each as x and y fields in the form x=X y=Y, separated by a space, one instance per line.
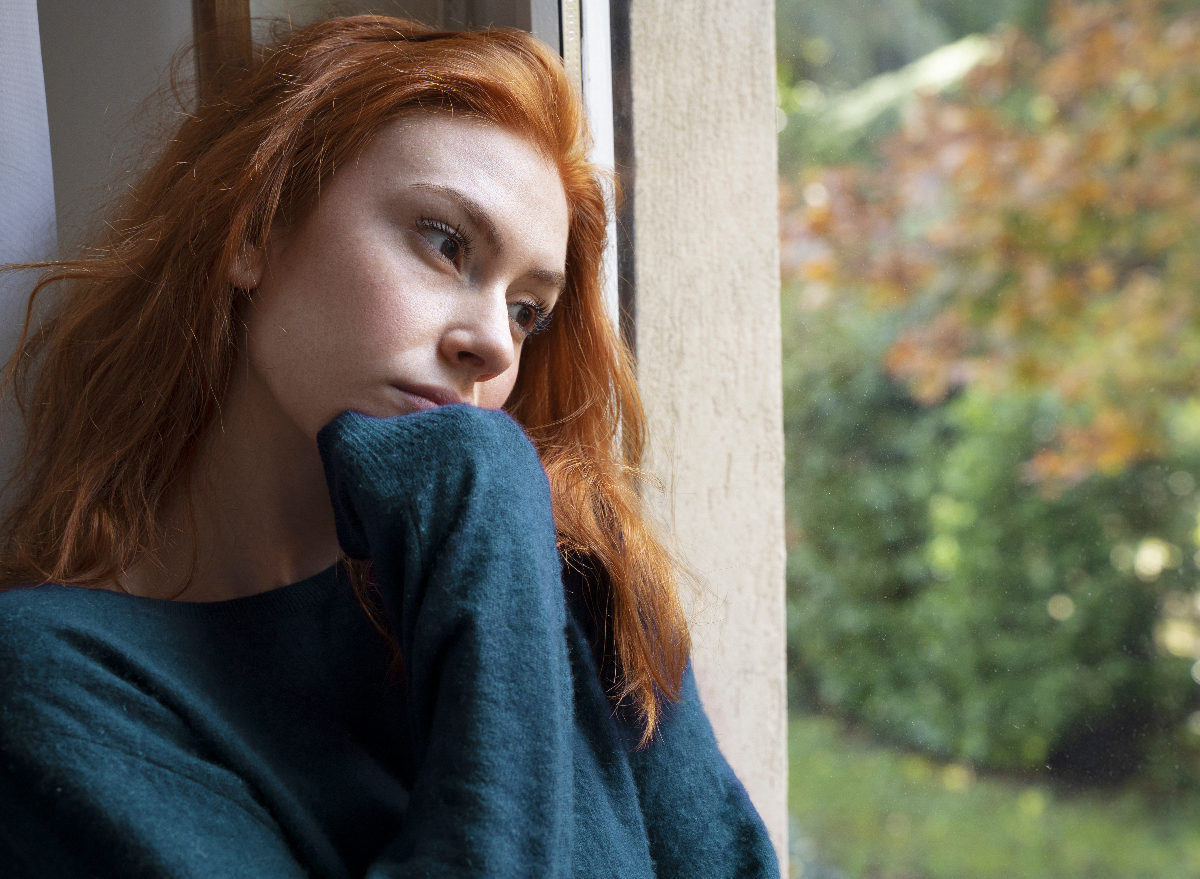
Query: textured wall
x=709 y=351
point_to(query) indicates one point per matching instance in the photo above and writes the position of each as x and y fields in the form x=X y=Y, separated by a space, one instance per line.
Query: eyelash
x=457 y=234
x=541 y=319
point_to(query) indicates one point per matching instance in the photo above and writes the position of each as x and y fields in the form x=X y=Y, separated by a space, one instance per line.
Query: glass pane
x=992 y=399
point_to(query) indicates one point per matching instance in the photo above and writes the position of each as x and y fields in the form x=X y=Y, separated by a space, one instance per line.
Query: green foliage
x=826 y=47
x=839 y=45
x=861 y=811
x=937 y=595
x=1040 y=213
x=992 y=419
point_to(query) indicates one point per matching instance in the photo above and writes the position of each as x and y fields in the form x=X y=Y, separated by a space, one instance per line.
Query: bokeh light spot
x=1061 y=607
x=1193 y=723
x=1032 y=803
x=957 y=777
x=1181 y=483
x=1153 y=556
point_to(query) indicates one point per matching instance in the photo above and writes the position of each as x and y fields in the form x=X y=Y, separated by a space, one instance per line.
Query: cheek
x=311 y=354
x=282 y=357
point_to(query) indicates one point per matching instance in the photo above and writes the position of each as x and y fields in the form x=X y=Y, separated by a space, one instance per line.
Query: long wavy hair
x=126 y=374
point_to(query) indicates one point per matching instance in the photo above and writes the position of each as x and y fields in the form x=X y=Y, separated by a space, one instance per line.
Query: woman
x=325 y=632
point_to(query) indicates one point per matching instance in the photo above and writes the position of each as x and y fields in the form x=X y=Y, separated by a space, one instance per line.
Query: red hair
x=127 y=373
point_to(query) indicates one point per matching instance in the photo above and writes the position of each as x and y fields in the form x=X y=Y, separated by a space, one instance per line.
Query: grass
x=861 y=810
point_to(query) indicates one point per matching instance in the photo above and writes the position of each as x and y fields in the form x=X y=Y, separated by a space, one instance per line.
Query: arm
x=699 y=820
x=453 y=510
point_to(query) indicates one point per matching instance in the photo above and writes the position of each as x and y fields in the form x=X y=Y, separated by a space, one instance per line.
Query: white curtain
x=27 y=224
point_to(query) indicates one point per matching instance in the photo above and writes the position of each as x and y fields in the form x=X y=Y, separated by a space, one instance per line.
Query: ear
x=247 y=270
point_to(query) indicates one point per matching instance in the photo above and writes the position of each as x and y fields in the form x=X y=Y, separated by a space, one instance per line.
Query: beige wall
x=709 y=351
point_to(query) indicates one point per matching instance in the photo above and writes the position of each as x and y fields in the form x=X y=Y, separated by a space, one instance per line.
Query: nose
x=478 y=344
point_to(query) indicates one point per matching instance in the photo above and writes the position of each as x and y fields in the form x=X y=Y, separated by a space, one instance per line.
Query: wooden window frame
x=223 y=42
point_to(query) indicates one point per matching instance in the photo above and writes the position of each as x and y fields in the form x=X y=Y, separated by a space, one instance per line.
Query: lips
x=424 y=397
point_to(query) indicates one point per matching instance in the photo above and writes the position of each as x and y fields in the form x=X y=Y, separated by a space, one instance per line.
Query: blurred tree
x=935 y=596
x=839 y=44
x=827 y=50
x=1042 y=222
x=992 y=410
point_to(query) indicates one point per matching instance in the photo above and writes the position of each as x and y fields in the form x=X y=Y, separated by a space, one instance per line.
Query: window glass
x=991 y=307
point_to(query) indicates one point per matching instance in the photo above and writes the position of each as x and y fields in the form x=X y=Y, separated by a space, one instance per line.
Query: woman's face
x=415 y=280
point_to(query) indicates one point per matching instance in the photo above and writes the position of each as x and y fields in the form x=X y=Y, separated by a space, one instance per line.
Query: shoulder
x=46 y=617
x=83 y=698
x=36 y=621
x=60 y=651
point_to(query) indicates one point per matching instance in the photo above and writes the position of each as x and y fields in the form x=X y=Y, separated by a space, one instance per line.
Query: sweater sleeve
x=699 y=820
x=452 y=508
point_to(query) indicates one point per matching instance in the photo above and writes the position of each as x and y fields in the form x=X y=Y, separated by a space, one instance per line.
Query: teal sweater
x=273 y=736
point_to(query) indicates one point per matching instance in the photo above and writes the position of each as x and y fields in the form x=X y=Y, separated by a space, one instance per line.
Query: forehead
x=495 y=165
x=461 y=135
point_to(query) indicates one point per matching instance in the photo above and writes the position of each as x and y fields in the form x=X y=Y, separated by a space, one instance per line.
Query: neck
x=262 y=514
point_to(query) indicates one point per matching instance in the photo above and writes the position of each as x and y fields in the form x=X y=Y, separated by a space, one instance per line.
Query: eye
x=445 y=245
x=451 y=242
x=529 y=317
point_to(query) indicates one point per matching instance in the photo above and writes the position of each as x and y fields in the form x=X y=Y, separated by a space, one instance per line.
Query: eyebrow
x=473 y=209
x=557 y=280
x=480 y=219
